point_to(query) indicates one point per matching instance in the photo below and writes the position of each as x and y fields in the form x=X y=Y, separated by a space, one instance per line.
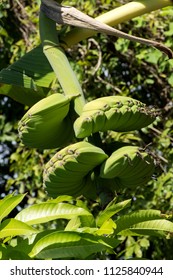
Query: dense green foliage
x=104 y=66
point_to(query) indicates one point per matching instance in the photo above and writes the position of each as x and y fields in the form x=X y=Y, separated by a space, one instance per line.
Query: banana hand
x=129 y=166
x=118 y=113
x=46 y=124
x=69 y=170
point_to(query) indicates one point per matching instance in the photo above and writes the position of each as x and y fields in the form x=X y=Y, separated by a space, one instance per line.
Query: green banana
x=119 y=113
x=47 y=124
x=130 y=166
x=70 y=170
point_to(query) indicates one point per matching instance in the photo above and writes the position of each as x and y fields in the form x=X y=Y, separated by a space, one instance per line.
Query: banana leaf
x=29 y=79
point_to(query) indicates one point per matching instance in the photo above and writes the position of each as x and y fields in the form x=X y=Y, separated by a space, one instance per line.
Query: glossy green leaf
x=111 y=210
x=86 y=220
x=19 y=247
x=160 y=224
x=16 y=250
x=151 y=228
x=12 y=227
x=48 y=211
x=107 y=227
x=8 y=203
x=73 y=224
x=62 y=198
x=142 y=232
x=127 y=221
x=68 y=245
x=14 y=254
x=90 y=230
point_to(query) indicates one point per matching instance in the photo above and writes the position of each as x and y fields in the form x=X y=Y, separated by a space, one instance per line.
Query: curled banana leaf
x=118 y=113
x=130 y=167
x=46 y=124
x=70 y=170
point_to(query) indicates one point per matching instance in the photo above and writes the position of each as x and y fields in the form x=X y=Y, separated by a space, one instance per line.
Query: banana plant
x=78 y=168
x=49 y=123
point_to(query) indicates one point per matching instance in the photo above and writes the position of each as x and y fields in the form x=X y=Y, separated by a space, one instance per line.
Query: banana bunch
x=70 y=170
x=46 y=124
x=118 y=113
x=130 y=167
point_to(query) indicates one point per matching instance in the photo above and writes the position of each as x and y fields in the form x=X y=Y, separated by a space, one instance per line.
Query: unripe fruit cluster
x=48 y=124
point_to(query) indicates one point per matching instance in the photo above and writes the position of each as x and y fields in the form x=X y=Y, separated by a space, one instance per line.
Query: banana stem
x=116 y=16
x=59 y=62
x=95 y=139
